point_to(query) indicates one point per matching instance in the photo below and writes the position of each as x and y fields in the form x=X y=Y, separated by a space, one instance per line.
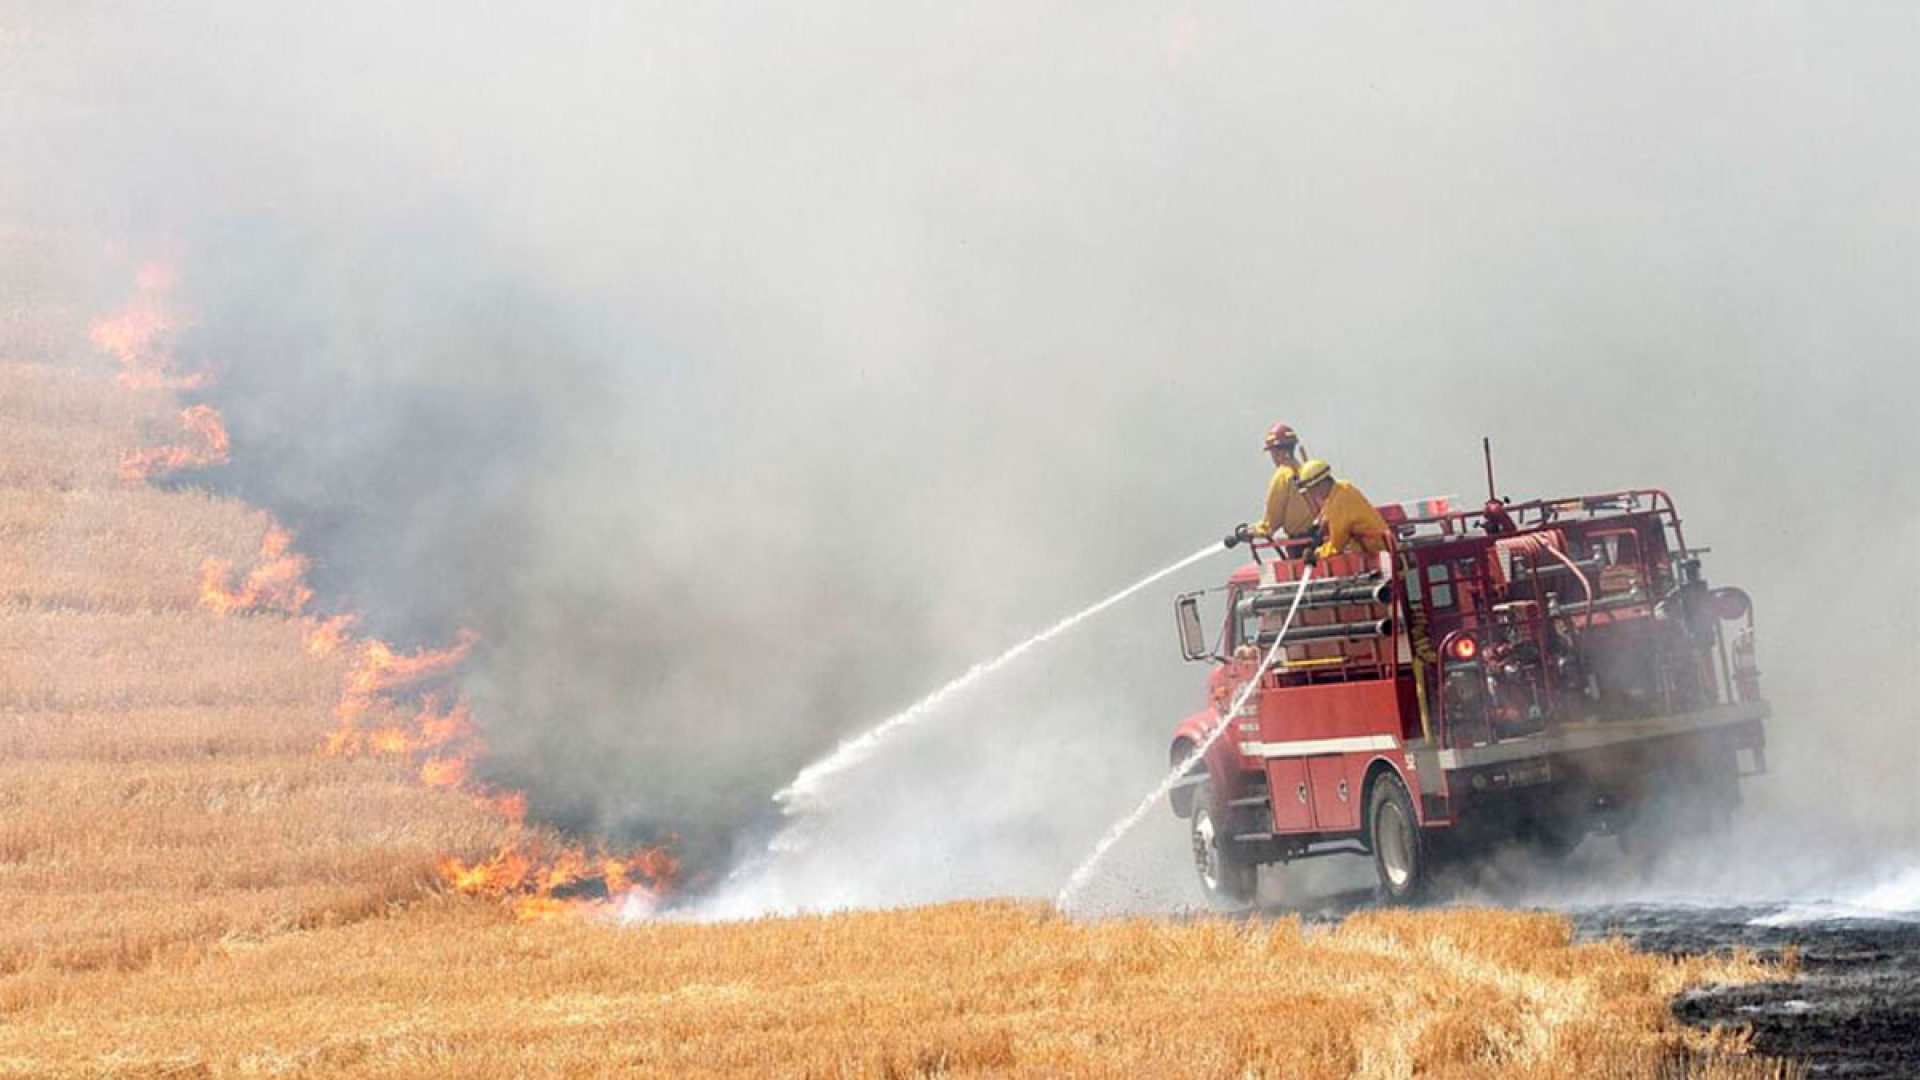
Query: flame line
x=528 y=871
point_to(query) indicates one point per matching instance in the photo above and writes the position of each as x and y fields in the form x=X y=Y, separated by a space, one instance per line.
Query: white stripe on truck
x=1352 y=744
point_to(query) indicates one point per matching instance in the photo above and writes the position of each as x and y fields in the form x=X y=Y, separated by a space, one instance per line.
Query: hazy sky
x=744 y=373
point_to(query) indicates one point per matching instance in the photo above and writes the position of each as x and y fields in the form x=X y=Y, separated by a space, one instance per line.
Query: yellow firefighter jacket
x=1351 y=521
x=1287 y=511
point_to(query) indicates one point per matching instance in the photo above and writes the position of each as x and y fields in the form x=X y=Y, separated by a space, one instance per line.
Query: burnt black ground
x=1854 y=1010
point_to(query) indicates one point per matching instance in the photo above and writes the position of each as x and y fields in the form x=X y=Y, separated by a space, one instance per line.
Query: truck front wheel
x=1226 y=876
x=1400 y=854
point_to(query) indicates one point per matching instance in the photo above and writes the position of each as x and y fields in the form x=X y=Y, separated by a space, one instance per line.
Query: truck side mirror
x=1193 y=640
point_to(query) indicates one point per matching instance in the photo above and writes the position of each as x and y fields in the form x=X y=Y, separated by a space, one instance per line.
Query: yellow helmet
x=1312 y=473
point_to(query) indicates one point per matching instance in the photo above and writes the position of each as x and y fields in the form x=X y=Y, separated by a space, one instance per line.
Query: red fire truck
x=1531 y=672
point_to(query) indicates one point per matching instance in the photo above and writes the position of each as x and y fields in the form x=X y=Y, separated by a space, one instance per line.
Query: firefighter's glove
x=1316 y=536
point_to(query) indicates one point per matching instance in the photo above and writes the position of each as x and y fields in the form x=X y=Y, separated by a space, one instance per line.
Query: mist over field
x=743 y=374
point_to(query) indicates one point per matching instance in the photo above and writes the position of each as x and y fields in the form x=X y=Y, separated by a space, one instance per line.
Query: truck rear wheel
x=1400 y=855
x=1226 y=877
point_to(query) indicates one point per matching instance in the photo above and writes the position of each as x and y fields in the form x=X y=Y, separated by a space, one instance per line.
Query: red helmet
x=1281 y=436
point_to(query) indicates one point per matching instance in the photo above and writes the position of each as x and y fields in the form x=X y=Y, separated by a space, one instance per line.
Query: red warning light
x=1464 y=648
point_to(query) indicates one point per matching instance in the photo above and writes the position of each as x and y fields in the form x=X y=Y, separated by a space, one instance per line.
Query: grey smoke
x=743 y=372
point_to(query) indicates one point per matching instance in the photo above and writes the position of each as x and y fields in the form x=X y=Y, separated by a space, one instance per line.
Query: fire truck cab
x=1535 y=672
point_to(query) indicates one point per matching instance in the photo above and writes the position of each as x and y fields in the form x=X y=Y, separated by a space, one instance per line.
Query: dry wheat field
x=193 y=888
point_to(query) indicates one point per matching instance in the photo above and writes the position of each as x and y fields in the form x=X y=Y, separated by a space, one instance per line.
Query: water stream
x=1084 y=872
x=782 y=876
x=808 y=784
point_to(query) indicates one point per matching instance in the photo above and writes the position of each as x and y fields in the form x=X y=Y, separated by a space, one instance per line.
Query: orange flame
x=441 y=737
x=328 y=635
x=380 y=669
x=443 y=728
x=445 y=733
x=388 y=741
x=136 y=334
x=536 y=885
x=444 y=772
x=201 y=422
x=440 y=734
x=511 y=805
x=277 y=581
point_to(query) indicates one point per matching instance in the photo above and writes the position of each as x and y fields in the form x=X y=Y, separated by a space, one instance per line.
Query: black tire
x=1400 y=855
x=1227 y=878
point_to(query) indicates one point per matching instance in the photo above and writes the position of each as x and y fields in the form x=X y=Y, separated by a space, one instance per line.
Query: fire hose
x=1533 y=544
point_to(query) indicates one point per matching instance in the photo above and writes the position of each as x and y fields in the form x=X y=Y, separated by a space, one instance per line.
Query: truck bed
x=1567 y=738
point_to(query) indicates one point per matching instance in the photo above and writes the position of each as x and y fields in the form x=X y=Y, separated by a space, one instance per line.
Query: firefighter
x=1287 y=511
x=1342 y=515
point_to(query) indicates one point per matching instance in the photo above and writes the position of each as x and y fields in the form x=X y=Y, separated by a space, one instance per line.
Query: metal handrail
x=1658 y=500
x=1292 y=550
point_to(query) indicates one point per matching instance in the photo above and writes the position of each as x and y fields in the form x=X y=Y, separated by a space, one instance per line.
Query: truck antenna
x=1486 y=449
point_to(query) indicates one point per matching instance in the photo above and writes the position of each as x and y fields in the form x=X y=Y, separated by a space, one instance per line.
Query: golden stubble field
x=192 y=889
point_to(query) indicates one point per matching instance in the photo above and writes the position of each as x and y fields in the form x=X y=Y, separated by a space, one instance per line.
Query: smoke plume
x=742 y=372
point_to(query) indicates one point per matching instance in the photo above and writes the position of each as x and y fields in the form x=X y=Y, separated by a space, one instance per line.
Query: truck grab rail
x=1538 y=513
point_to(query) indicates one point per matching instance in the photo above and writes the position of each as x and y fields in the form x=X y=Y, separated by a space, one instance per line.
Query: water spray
x=1084 y=872
x=852 y=752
